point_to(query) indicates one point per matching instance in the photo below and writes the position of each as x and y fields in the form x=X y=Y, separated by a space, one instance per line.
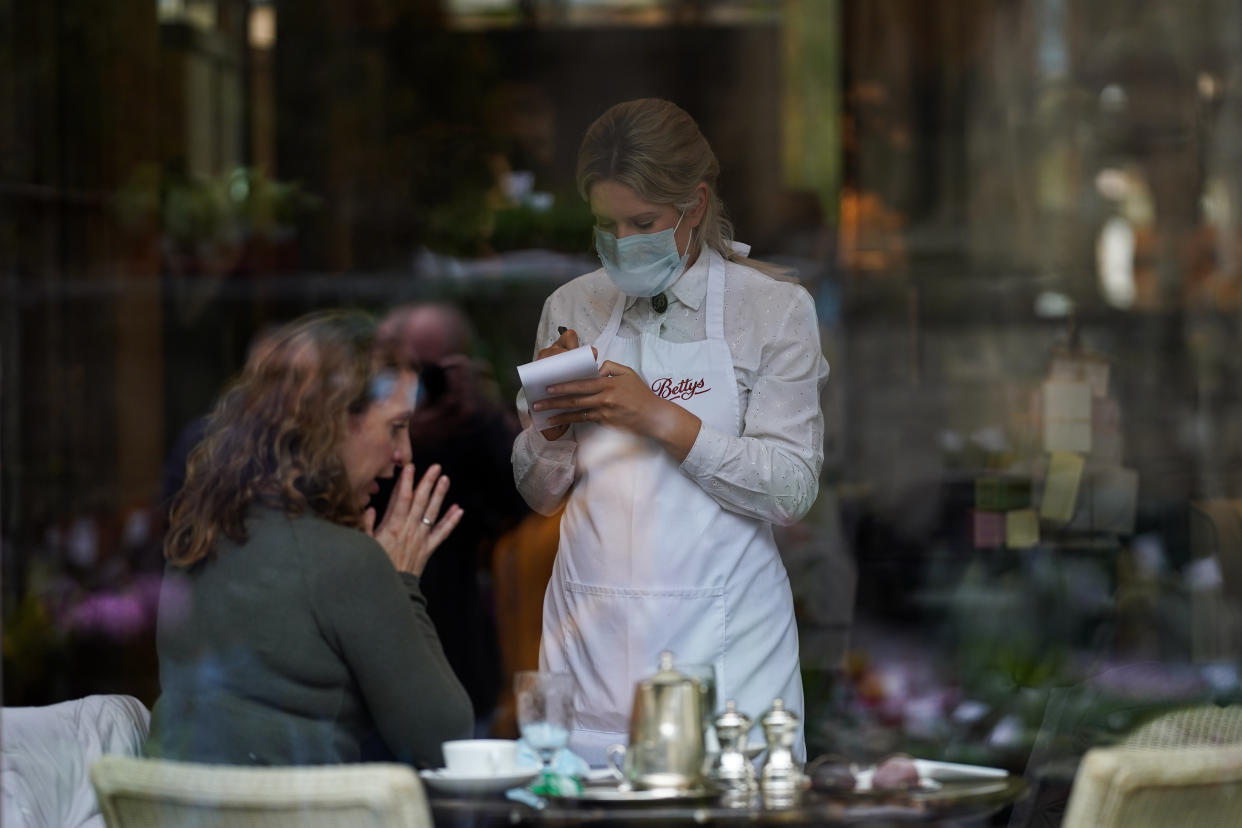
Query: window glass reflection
x=1016 y=225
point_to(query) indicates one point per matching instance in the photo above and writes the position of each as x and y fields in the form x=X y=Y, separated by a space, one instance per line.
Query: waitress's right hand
x=413 y=527
x=567 y=341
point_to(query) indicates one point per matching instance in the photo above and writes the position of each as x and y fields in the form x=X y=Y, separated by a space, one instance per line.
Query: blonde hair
x=656 y=149
x=274 y=437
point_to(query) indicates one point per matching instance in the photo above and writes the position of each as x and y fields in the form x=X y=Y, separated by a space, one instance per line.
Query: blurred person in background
x=461 y=424
x=702 y=430
x=292 y=629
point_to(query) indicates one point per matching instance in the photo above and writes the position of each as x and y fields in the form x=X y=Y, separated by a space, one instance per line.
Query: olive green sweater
x=300 y=647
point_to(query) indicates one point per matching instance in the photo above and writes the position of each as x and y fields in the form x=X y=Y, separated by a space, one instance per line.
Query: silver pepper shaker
x=781 y=778
x=731 y=770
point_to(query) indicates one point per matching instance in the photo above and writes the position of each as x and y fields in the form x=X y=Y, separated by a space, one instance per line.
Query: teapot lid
x=667 y=674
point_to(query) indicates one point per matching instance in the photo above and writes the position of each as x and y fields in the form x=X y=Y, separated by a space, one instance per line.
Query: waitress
x=702 y=430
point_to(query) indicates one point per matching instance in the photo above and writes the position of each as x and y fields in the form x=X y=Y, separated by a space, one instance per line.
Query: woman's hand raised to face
x=413 y=526
x=620 y=398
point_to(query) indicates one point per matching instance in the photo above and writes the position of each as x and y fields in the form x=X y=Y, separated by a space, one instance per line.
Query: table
x=954 y=802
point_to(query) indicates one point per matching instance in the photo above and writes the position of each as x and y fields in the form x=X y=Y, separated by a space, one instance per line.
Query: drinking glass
x=545 y=710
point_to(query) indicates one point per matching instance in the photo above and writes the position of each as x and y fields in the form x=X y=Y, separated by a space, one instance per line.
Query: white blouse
x=771 y=471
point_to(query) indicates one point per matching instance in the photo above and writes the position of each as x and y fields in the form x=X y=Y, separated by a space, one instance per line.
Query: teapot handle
x=616 y=760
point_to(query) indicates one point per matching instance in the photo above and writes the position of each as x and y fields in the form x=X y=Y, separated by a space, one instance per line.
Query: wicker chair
x=1182 y=768
x=1190 y=727
x=146 y=793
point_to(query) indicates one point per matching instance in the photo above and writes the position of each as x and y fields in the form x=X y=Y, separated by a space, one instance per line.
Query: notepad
x=1091 y=370
x=536 y=376
x=1067 y=416
x=1061 y=487
x=1021 y=529
x=1114 y=499
x=988 y=529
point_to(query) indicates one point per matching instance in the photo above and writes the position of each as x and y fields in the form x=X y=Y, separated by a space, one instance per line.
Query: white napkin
x=538 y=375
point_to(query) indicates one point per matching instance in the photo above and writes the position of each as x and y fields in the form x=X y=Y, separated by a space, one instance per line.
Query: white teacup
x=480 y=757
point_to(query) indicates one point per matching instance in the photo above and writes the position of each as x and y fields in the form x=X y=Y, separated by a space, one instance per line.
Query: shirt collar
x=690 y=288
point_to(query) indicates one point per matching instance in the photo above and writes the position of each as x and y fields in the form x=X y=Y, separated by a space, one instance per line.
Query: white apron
x=649 y=562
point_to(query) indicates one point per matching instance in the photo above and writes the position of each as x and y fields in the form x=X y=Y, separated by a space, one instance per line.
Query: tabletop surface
x=954 y=801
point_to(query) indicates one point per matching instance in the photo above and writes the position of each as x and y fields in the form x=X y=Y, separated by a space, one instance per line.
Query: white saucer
x=445 y=781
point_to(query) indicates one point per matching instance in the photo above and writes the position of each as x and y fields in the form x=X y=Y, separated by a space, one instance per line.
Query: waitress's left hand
x=621 y=398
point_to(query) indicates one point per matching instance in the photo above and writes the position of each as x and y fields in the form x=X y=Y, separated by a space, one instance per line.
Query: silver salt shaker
x=781 y=778
x=731 y=770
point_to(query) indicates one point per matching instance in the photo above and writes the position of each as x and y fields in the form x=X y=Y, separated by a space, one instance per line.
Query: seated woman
x=291 y=629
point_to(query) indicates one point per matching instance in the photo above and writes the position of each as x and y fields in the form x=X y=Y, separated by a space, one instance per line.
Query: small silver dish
x=621 y=793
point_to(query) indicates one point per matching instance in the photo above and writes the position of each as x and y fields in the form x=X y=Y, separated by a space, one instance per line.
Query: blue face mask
x=642 y=264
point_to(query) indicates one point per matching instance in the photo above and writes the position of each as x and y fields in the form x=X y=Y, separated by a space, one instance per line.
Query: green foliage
x=565 y=227
x=244 y=203
x=457 y=226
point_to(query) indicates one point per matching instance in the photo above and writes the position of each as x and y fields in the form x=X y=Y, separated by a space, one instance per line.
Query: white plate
x=932 y=773
x=955 y=772
x=444 y=781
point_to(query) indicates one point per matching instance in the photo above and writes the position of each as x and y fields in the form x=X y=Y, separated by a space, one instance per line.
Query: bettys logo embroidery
x=687 y=388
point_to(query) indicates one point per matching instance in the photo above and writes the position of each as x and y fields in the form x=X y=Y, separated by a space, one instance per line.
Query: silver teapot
x=666 y=733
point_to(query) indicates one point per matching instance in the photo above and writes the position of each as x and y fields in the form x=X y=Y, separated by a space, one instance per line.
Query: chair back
x=1199 y=726
x=48 y=753
x=146 y=793
x=1149 y=787
x=1097 y=711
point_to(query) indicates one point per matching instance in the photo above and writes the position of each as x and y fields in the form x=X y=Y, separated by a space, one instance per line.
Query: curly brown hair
x=274 y=437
